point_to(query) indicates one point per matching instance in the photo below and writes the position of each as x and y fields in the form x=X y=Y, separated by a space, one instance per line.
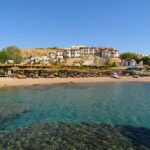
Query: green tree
x=55 y=47
x=111 y=48
x=55 y=63
x=135 y=57
x=130 y=56
x=37 y=63
x=13 y=53
x=3 y=57
x=126 y=56
x=146 y=60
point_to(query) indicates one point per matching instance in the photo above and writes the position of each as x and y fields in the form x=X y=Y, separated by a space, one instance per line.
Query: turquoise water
x=114 y=103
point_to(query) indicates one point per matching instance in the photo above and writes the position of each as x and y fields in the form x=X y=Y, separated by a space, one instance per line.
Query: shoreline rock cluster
x=66 y=74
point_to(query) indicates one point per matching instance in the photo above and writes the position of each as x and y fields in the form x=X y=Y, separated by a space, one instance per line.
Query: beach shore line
x=10 y=82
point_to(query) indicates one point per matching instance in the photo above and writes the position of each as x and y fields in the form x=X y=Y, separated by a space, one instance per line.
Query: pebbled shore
x=9 y=82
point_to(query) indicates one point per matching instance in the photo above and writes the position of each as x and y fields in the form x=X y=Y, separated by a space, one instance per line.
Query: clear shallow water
x=114 y=103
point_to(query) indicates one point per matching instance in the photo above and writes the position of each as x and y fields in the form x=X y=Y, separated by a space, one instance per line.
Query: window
x=91 y=51
x=86 y=51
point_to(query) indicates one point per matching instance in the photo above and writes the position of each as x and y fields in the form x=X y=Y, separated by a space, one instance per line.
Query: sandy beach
x=7 y=82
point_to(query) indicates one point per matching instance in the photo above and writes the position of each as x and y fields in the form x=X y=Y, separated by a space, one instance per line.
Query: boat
x=136 y=76
x=116 y=76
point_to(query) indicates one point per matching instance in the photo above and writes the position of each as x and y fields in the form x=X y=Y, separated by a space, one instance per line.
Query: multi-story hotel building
x=80 y=51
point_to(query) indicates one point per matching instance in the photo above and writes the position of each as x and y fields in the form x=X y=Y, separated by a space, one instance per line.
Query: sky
x=119 y=24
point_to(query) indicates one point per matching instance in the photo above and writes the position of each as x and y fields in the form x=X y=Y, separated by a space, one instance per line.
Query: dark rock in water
x=10 y=111
x=78 y=136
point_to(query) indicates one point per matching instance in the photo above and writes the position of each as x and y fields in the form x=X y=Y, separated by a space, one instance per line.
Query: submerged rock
x=77 y=136
x=11 y=111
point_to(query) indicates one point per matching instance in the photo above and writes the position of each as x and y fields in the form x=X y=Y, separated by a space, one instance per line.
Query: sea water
x=113 y=103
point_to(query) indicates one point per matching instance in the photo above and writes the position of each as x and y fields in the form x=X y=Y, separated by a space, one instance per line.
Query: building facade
x=109 y=53
x=72 y=54
x=89 y=51
x=42 y=60
x=80 y=51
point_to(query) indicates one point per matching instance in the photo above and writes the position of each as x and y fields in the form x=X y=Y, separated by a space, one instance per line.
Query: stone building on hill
x=76 y=55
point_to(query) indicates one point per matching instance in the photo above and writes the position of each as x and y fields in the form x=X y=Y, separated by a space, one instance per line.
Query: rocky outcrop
x=67 y=73
x=28 y=53
x=91 y=60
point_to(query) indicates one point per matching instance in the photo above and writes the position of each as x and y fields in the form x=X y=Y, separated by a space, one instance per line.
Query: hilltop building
x=90 y=55
x=75 y=55
x=74 y=47
x=43 y=60
x=82 y=50
x=72 y=53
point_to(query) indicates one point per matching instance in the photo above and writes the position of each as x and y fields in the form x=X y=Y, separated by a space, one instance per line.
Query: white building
x=115 y=53
x=72 y=54
x=10 y=61
x=42 y=59
x=89 y=51
x=78 y=51
x=129 y=62
x=109 y=53
x=74 y=47
x=59 y=54
x=77 y=47
x=52 y=55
